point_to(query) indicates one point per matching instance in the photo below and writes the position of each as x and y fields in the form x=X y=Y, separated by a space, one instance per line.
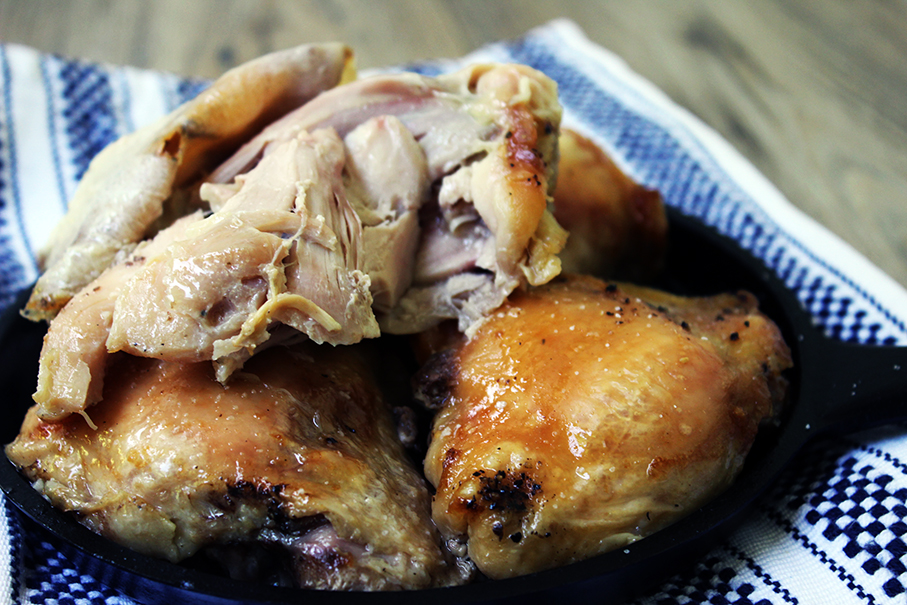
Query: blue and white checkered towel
x=832 y=530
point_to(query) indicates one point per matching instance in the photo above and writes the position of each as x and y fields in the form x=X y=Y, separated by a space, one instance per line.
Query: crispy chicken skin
x=125 y=189
x=618 y=228
x=299 y=452
x=582 y=416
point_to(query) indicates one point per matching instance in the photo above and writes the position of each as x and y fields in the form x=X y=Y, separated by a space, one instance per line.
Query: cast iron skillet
x=834 y=386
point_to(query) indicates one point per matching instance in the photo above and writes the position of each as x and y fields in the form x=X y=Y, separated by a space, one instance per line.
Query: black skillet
x=834 y=387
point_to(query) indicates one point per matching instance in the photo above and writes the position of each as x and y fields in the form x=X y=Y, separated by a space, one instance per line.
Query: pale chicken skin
x=582 y=416
x=129 y=183
x=285 y=248
x=309 y=237
x=299 y=453
x=74 y=355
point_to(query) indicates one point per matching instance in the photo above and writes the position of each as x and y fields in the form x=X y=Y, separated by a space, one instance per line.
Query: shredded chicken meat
x=125 y=189
x=327 y=225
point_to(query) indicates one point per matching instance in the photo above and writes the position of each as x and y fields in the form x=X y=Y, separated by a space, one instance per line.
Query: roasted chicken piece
x=127 y=185
x=328 y=223
x=285 y=248
x=618 y=228
x=582 y=416
x=489 y=135
x=298 y=455
x=74 y=355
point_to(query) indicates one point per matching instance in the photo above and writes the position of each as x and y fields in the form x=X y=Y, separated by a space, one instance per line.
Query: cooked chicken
x=308 y=231
x=209 y=288
x=489 y=135
x=582 y=416
x=618 y=228
x=299 y=454
x=74 y=355
x=284 y=249
x=124 y=191
x=387 y=181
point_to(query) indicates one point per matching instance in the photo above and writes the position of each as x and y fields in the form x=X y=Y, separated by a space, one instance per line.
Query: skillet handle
x=854 y=386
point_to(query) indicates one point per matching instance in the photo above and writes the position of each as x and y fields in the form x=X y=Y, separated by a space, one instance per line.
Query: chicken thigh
x=582 y=416
x=298 y=456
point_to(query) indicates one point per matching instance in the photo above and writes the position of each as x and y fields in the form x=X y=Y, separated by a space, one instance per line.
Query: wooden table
x=814 y=92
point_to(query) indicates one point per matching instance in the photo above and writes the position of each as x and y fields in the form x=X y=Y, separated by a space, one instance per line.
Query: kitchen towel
x=831 y=529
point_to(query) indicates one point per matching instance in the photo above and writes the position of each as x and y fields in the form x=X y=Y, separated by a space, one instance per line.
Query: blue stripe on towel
x=12 y=273
x=53 y=130
x=88 y=112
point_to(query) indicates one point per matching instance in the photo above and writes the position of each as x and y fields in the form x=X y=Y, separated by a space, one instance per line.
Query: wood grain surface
x=814 y=92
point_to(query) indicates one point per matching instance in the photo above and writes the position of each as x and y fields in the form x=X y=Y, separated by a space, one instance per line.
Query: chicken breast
x=582 y=416
x=126 y=186
x=297 y=456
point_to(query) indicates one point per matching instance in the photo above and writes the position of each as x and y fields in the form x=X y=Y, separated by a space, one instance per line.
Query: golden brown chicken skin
x=298 y=455
x=582 y=416
x=618 y=228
